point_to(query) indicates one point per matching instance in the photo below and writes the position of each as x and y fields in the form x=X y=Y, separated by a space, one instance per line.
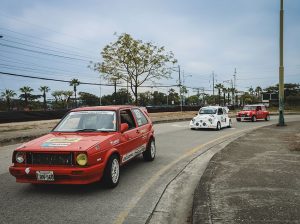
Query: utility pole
x=179 y=80
x=100 y=93
x=234 y=87
x=213 y=78
x=281 y=70
x=115 y=83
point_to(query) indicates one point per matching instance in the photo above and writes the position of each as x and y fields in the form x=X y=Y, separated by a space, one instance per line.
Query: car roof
x=255 y=105
x=213 y=107
x=113 y=107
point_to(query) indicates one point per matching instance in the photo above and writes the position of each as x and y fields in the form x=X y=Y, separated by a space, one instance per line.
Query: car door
x=226 y=117
x=130 y=138
x=143 y=127
x=221 y=117
x=259 y=112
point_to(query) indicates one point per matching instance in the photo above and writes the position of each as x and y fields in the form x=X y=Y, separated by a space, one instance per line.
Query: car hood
x=204 y=116
x=67 y=142
x=246 y=111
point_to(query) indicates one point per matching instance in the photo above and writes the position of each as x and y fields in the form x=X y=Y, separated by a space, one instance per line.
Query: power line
x=42 y=48
x=41 y=52
x=82 y=83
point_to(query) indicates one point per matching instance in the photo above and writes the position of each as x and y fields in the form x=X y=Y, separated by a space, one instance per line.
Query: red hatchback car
x=253 y=113
x=87 y=145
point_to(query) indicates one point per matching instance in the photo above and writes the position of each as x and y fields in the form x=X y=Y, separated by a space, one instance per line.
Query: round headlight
x=81 y=159
x=20 y=157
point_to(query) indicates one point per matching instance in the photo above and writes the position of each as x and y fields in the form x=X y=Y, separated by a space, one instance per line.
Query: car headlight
x=20 y=157
x=81 y=159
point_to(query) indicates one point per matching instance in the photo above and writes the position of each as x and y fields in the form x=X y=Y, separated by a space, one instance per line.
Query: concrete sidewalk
x=254 y=179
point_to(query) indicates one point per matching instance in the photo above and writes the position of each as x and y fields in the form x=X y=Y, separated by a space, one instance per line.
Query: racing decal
x=134 y=153
x=115 y=142
x=59 y=142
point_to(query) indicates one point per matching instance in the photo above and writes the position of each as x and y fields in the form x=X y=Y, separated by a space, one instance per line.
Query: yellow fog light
x=81 y=159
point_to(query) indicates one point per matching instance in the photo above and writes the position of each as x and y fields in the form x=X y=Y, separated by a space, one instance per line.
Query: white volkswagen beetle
x=211 y=117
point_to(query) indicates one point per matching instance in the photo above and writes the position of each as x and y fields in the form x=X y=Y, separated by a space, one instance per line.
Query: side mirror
x=124 y=127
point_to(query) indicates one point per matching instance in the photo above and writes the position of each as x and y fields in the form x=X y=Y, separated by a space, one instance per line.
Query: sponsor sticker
x=59 y=142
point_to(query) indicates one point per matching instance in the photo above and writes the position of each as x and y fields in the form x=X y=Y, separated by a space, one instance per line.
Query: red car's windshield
x=88 y=121
x=249 y=108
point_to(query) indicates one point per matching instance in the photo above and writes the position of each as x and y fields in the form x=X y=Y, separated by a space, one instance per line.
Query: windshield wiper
x=86 y=130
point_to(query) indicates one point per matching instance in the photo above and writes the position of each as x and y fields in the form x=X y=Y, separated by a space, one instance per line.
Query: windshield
x=207 y=111
x=88 y=121
x=249 y=108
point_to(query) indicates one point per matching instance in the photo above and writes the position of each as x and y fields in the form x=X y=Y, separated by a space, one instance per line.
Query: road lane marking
x=124 y=214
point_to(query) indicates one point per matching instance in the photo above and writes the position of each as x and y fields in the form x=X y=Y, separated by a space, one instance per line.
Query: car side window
x=220 y=111
x=127 y=117
x=140 y=117
x=224 y=111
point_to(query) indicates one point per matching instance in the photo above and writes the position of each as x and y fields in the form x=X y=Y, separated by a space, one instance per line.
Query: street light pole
x=281 y=70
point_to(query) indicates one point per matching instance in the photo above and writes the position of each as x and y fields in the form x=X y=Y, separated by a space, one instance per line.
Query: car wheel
x=267 y=118
x=112 y=172
x=218 y=128
x=230 y=124
x=253 y=118
x=149 y=154
x=238 y=120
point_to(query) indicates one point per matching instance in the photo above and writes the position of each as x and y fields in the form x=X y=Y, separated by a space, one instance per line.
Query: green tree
x=26 y=90
x=193 y=100
x=158 y=98
x=88 y=99
x=145 y=98
x=134 y=62
x=219 y=87
x=75 y=83
x=258 y=91
x=173 y=96
x=224 y=90
x=251 y=91
x=8 y=95
x=67 y=96
x=44 y=90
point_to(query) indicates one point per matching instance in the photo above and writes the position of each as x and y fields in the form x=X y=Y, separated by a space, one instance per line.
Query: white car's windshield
x=207 y=111
x=249 y=108
x=88 y=121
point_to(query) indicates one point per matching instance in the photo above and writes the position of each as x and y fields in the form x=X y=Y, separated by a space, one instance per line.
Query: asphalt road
x=140 y=187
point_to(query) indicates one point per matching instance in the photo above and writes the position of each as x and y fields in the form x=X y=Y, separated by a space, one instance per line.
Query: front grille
x=49 y=158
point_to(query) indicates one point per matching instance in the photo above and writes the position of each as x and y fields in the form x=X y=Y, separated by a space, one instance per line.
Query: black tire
x=238 y=120
x=218 y=128
x=253 y=119
x=267 y=118
x=111 y=174
x=149 y=154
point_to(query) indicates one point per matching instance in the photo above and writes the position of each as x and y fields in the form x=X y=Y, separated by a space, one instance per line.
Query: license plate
x=45 y=175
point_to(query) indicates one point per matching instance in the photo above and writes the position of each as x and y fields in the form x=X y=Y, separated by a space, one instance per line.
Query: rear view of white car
x=214 y=117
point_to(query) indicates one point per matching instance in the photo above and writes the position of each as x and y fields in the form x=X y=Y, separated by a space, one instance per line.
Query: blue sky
x=205 y=36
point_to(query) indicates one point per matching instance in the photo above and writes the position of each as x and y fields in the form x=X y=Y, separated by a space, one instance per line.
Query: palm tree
x=75 y=83
x=251 y=90
x=26 y=90
x=8 y=94
x=224 y=90
x=219 y=87
x=44 y=90
x=258 y=90
x=67 y=95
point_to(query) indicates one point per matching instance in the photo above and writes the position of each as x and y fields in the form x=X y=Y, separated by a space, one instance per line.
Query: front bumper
x=243 y=118
x=198 y=125
x=62 y=175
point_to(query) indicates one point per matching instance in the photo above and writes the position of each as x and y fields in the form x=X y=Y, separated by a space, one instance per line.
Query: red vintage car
x=89 y=144
x=253 y=113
